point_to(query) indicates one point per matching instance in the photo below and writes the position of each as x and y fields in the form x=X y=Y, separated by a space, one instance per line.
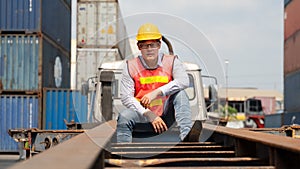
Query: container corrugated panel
x=292 y=19
x=19 y=60
x=16 y=15
x=56 y=22
x=16 y=111
x=51 y=17
x=30 y=62
x=89 y=60
x=274 y=120
x=291 y=53
x=98 y=24
x=63 y=104
x=292 y=92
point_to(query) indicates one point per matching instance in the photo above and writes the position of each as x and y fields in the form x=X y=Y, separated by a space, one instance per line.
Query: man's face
x=149 y=49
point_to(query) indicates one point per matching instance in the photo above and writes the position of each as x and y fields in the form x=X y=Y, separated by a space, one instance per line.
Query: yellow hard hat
x=148 y=31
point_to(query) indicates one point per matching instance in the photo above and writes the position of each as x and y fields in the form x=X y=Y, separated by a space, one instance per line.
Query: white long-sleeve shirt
x=180 y=81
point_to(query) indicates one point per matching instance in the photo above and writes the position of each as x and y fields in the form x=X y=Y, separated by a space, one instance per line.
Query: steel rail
x=275 y=141
x=85 y=150
x=279 y=151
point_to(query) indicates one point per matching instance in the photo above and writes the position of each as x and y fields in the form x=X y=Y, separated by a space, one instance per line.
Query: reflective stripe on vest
x=147 y=80
x=154 y=79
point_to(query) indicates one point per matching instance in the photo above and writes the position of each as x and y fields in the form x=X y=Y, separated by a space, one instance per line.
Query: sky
x=246 y=33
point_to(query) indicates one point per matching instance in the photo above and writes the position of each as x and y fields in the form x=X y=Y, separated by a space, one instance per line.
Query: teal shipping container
x=17 y=111
x=64 y=104
x=31 y=62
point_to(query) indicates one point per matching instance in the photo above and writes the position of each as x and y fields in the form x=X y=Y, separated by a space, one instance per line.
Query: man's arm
x=127 y=93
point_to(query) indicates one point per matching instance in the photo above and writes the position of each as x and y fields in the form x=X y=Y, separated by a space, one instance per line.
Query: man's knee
x=180 y=96
x=182 y=93
x=125 y=116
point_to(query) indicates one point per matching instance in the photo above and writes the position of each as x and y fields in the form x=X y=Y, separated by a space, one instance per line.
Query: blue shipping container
x=50 y=17
x=63 y=104
x=274 y=120
x=16 y=111
x=292 y=92
x=31 y=62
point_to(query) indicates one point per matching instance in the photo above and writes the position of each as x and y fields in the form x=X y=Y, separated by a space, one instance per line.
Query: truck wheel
x=250 y=123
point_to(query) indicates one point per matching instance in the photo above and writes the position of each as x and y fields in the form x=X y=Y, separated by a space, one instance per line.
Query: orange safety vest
x=147 y=80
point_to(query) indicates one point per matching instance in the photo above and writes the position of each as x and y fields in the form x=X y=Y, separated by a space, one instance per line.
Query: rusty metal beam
x=175 y=161
x=230 y=167
x=172 y=154
x=280 y=151
x=281 y=142
x=171 y=148
x=85 y=150
x=202 y=167
x=152 y=144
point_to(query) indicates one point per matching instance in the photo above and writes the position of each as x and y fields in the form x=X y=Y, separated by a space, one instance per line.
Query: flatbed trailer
x=36 y=140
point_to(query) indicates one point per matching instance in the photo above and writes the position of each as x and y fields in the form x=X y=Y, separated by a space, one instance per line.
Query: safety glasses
x=147 y=45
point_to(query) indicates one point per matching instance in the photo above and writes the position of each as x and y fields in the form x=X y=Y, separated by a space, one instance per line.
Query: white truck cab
x=194 y=91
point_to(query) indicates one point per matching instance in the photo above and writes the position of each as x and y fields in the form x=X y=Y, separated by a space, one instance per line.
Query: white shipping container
x=98 y=1
x=86 y=26
x=89 y=60
x=97 y=24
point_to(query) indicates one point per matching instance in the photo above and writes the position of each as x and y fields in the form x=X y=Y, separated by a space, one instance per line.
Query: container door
x=16 y=111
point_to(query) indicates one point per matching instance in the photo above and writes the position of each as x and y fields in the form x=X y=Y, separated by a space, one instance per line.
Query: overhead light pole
x=226 y=90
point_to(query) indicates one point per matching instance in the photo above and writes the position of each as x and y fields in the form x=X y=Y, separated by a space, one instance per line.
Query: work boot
x=194 y=134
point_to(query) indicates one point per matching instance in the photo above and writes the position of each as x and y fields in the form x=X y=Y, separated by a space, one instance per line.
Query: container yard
x=60 y=98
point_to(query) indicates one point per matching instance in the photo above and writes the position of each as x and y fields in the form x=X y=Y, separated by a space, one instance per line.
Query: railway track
x=225 y=148
x=202 y=154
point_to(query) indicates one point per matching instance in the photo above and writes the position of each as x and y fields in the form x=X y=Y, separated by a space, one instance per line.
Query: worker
x=152 y=89
x=22 y=151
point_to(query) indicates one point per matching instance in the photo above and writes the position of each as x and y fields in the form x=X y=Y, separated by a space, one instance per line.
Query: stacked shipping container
x=34 y=53
x=292 y=61
x=62 y=104
x=292 y=73
x=101 y=37
x=30 y=62
x=17 y=111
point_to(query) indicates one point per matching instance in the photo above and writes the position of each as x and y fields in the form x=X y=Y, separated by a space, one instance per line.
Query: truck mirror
x=212 y=93
x=107 y=78
x=85 y=88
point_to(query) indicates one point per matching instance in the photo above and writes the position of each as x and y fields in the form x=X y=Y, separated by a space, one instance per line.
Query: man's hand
x=149 y=97
x=158 y=124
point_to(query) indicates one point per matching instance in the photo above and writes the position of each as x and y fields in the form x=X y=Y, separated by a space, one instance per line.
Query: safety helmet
x=148 y=31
